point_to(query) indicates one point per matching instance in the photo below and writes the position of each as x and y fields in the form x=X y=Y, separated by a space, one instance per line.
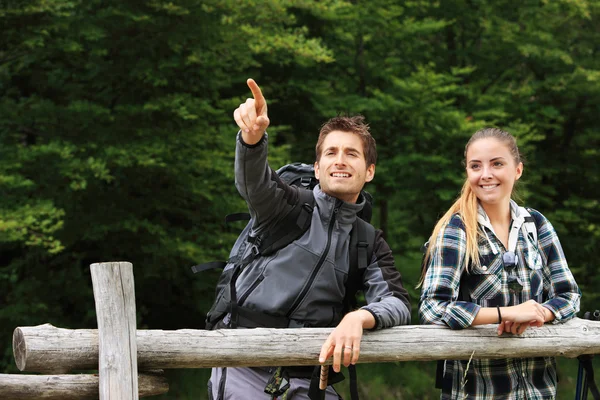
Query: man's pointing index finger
x=256 y=92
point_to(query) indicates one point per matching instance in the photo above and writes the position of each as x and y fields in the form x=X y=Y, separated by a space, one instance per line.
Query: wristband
x=499 y=315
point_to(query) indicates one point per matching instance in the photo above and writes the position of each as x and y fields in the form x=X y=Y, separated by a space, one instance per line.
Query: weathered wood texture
x=69 y=387
x=114 y=294
x=51 y=350
x=39 y=345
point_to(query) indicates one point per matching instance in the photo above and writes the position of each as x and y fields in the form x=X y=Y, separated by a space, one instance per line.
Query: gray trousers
x=249 y=384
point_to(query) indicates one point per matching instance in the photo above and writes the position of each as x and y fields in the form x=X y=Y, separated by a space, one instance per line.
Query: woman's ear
x=519 y=171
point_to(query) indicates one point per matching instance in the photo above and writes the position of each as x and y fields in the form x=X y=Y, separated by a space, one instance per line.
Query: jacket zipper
x=250 y=290
x=316 y=270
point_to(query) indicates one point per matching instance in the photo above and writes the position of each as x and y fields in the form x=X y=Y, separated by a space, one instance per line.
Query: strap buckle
x=278 y=383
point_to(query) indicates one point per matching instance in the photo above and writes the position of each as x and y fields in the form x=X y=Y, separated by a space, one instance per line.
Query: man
x=304 y=282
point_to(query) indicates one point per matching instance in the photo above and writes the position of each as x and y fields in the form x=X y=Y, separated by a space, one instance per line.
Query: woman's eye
x=474 y=166
x=498 y=164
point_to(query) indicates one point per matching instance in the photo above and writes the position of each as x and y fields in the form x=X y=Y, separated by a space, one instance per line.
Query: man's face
x=342 y=171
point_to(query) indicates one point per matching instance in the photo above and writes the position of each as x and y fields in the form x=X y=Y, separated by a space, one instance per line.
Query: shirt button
x=484 y=268
x=524 y=375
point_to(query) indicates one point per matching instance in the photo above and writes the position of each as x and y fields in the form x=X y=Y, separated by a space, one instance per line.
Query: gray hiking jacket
x=305 y=280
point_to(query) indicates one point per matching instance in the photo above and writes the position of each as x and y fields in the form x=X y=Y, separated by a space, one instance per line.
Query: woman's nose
x=486 y=173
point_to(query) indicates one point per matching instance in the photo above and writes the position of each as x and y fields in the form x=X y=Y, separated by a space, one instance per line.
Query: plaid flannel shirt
x=544 y=276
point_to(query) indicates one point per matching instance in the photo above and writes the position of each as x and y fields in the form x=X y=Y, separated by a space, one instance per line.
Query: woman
x=485 y=265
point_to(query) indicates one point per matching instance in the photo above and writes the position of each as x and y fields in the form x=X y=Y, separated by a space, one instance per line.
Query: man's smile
x=341 y=175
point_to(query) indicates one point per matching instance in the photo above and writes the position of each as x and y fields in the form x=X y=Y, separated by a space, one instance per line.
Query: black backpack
x=362 y=238
x=297 y=222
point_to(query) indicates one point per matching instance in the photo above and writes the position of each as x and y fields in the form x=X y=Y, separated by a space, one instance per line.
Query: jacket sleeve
x=564 y=294
x=267 y=196
x=438 y=304
x=387 y=299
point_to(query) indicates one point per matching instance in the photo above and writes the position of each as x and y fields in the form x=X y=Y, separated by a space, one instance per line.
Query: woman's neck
x=499 y=216
x=497 y=213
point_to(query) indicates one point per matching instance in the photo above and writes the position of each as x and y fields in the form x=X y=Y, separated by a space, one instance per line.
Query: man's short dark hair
x=355 y=124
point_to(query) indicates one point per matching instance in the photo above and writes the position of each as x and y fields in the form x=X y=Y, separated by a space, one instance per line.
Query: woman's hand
x=517 y=319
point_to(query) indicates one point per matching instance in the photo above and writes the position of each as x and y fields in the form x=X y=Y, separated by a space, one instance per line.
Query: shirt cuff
x=557 y=316
x=377 y=320
x=460 y=314
x=251 y=146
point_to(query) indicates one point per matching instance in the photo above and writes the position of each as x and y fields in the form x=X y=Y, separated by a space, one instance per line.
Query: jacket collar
x=346 y=213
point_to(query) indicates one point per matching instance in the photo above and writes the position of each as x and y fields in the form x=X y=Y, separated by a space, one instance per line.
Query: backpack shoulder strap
x=291 y=227
x=363 y=235
x=530 y=224
x=362 y=241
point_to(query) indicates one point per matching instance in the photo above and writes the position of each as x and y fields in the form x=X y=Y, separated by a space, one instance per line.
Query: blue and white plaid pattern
x=545 y=277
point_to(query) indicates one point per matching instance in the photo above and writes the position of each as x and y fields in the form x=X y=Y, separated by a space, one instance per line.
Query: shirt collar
x=517 y=220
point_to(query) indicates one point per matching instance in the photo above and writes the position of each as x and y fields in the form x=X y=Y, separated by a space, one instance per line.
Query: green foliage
x=116 y=136
x=117 y=144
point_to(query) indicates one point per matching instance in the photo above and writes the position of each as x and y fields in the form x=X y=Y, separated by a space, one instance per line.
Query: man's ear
x=316 y=169
x=370 y=173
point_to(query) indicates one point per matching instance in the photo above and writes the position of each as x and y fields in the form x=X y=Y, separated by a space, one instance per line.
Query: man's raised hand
x=251 y=116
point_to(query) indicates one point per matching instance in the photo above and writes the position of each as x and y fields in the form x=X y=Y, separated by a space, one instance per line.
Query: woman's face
x=492 y=171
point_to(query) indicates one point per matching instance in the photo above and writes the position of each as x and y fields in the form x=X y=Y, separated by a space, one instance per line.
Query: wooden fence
x=116 y=349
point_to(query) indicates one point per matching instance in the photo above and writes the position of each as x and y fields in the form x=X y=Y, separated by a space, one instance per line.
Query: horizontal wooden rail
x=69 y=387
x=46 y=348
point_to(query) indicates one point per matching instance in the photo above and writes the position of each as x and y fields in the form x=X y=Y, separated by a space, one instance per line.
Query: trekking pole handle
x=324 y=377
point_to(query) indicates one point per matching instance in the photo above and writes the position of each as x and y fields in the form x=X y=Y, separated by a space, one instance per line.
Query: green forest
x=117 y=138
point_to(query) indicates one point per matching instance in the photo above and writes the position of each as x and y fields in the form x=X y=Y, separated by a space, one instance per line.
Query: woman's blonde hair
x=466 y=206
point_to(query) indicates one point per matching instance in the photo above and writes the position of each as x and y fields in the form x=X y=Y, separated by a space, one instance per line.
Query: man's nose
x=341 y=158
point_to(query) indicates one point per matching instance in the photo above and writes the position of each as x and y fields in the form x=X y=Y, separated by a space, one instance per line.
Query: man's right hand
x=251 y=116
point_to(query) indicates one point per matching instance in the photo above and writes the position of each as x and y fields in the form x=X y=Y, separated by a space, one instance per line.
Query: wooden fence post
x=114 y=294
